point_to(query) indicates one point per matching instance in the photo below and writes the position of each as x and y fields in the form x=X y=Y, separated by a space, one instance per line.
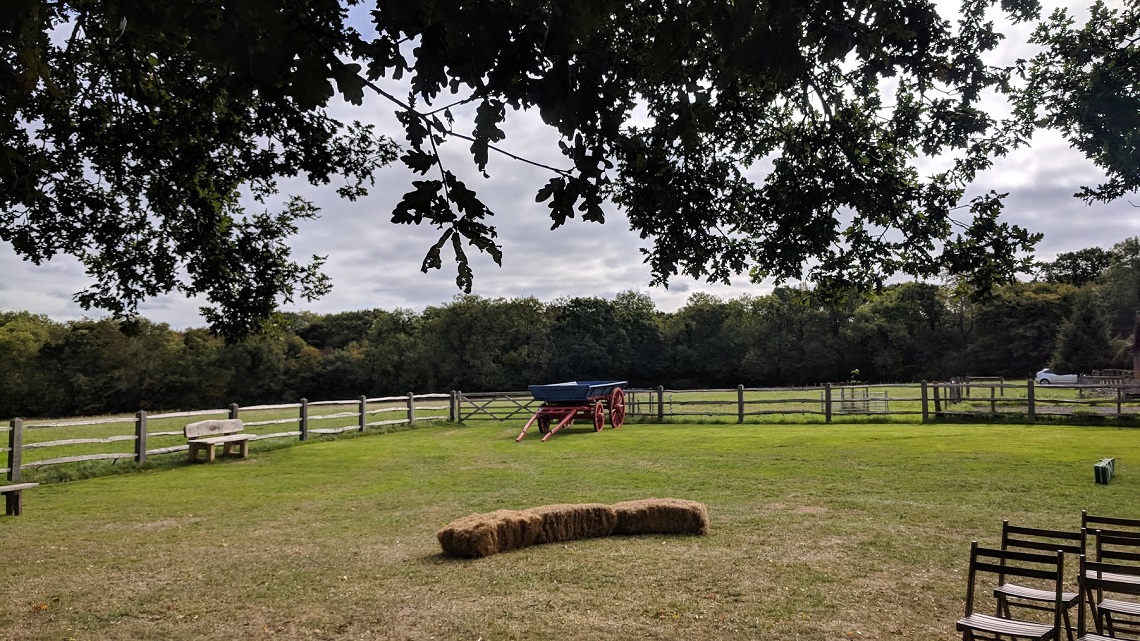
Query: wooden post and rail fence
x=263 y=421
x=968 y=398
x=971 y=398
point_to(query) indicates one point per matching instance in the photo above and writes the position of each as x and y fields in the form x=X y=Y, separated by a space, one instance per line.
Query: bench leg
x=210 y=453
x=228 y=449
x=13 y=503
x=244 y=449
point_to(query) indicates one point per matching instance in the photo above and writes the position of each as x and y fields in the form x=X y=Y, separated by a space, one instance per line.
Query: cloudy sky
x=374 y=263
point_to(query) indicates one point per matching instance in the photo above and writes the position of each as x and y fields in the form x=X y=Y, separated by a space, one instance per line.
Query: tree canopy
x=1084 y=83
x=783 y=139
x=129 y=132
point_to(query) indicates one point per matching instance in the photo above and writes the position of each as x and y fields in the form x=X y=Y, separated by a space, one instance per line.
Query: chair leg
x=1002 y=611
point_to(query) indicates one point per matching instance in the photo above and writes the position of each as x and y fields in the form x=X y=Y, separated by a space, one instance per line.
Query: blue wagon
x=563 y=402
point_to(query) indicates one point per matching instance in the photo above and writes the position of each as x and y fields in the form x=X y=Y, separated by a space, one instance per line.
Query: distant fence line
x=363 y=410
x=975 y=397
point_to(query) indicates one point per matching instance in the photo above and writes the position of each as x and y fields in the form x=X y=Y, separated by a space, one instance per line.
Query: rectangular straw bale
x=567 y=522
x=661 y=516
x=481 y=535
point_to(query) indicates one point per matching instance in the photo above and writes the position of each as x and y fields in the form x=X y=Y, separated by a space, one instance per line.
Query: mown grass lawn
x=818 y=532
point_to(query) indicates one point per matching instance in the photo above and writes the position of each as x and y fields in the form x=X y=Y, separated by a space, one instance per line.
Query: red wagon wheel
x=599 y=416
x=617 y=408
x=543 y=424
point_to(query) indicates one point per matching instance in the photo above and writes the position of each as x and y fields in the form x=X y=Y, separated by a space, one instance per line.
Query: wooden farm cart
x=563 y=402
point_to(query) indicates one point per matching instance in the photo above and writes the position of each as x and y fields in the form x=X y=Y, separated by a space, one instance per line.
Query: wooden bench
x=13 y=497
x=204 y=435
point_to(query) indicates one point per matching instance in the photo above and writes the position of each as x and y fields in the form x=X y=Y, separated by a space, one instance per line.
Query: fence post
x=993 y=403
x=452 y=413
x=304 y=419
x=458 y=406
x=15 y=449
x=660 y=404
x=363 y=411
x=411 y=407
x=1119 y=389
x=925 y=404
x=1032 y=404
x=140 y=436
x=739 y=403
x=234 y=410
x=827 y=402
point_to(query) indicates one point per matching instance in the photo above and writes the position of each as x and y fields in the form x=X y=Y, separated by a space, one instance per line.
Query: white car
x=1049 y=377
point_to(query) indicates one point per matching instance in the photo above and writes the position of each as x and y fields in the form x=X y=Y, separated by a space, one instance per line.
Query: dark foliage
x=781 y=138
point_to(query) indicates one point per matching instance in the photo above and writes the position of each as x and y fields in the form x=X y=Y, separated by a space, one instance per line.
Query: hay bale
x=661 y=516
x=482 y=535
x=568 y=522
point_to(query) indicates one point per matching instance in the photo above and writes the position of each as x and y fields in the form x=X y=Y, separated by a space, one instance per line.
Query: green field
x=818 y=532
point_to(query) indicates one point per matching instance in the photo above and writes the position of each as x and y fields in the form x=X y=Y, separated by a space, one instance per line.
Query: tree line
x=1077 y=315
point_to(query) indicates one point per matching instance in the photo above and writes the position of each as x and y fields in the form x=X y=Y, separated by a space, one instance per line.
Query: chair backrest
x=1098 y=577
x=1115 y=523
x=1016 y=537
x=1046 y=567
x=1030 y=538
x=1122 y=548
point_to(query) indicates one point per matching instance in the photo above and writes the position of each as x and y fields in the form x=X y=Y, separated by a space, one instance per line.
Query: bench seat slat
x=1119 y=607
x=1112 y=581
x=1033 y=594
x=1011 y=627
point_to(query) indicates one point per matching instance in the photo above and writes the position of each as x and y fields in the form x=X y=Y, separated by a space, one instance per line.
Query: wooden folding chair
x=1120 y=550
x=1098 y=579
x=1020 y=596
x=1046 y=568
